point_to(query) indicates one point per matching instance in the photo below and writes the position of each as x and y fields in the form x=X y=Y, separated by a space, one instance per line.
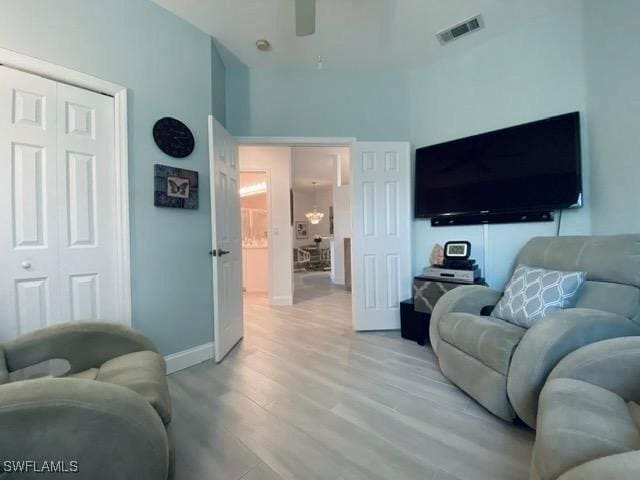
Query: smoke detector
x=263 y=45
x=459 y=30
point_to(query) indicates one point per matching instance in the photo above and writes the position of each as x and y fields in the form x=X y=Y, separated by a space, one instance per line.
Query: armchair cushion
x=612 y=364
x=84 y=345
x=464 y=299
x=533 y=293
x=143 y=373
x=623 y=300
x=89 y=374
x=549 y=341
x=579 y=422
x=486 y=339
x=4 y=372
x=623 y=465
x=110 y=431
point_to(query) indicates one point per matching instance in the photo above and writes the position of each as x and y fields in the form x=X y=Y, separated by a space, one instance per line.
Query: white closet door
x=29 y=276
x=86 y=205
x=57 y=204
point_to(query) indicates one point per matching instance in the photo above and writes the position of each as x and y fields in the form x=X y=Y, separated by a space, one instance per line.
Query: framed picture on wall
x=175 y=187
x=302 y=230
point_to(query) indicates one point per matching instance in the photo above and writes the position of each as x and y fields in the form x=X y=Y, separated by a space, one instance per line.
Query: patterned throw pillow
x=533 y=293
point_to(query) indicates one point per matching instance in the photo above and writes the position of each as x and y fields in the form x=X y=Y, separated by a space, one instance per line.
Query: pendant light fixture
x=314 y=217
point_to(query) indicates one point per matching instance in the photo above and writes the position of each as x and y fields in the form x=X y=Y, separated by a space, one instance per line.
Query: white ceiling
x=315 y=164
x=353 y=33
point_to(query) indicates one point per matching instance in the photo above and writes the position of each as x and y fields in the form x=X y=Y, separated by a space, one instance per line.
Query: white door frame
x=58 y=73
x=298 y=141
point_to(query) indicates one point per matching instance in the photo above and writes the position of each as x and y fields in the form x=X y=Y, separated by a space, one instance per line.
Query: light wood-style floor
x=304 y=397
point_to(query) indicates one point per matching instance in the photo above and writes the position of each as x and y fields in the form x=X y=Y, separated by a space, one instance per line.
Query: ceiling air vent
x=453 y=33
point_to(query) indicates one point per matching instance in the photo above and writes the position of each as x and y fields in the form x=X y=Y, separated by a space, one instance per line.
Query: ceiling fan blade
x=305 y=17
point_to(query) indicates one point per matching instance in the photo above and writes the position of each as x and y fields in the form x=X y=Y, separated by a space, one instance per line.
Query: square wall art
x=302 y=229
x=175 y=187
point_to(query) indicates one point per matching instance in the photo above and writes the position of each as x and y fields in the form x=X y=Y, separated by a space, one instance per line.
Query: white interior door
x=57 y=204
x=381 y=233
x=228 y=321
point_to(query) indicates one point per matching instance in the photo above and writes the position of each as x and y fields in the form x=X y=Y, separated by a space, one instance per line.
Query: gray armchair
x=110 y=412
x=589 y=419
x=504 y=366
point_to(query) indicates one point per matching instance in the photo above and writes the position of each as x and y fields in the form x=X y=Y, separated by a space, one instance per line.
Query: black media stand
x=415 y=313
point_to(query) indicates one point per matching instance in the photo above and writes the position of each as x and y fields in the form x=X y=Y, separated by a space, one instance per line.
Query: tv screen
x=530 y=167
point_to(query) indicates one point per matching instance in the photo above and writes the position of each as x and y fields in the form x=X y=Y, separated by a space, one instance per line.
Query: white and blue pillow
x=533 y=293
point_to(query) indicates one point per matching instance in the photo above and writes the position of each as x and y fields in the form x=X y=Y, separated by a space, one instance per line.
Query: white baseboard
x=282 y=300
x=187 y=358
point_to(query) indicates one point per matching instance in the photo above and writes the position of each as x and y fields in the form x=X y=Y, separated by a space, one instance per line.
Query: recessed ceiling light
x=263 y=45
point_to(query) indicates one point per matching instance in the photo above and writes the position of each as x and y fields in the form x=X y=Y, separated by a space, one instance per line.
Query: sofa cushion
x=533 y=293
x=487 y=339
x=579 y=422
x=144 y=373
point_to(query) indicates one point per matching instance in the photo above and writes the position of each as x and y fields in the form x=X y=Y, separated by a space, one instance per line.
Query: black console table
x=415 y=313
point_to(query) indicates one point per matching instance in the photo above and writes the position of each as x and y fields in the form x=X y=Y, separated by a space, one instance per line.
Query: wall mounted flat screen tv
x=527 y=168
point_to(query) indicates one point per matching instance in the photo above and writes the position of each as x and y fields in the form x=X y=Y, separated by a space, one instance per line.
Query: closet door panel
x=29 y=269
x=87 y=204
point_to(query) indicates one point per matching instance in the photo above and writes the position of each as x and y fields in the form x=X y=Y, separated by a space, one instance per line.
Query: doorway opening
x=377 y=182
x=296 y=223
x=321 y=207
x=255 y=232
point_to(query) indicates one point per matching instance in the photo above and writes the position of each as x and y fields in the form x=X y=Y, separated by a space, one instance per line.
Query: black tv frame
x=539 y=213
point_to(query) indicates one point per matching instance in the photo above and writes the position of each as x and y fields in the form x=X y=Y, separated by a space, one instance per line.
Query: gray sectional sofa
x=110 y=413
x=504 y=366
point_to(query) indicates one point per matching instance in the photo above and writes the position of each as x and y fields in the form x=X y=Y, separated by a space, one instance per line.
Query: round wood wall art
x=173 y=137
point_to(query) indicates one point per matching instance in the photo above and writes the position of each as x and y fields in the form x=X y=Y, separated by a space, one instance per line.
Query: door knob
x=219 y=252
x=26 y=265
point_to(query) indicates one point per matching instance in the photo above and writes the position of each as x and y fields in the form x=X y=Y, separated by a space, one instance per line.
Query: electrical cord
x=559 y=223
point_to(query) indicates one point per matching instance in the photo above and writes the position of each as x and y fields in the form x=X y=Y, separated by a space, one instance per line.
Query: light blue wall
x=522 y=76
x=612 y=41
x=318 y=103
x=218 y=84
x=173 y=68
x=166 y=64
x=237 y=93
x=517 y=77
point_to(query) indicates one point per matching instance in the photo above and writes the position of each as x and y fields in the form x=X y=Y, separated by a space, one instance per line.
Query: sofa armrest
x=548 y=342
x=623 y=465
x=110 y=431
x=465 y=299
x=611 y=364
x=83 y=344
